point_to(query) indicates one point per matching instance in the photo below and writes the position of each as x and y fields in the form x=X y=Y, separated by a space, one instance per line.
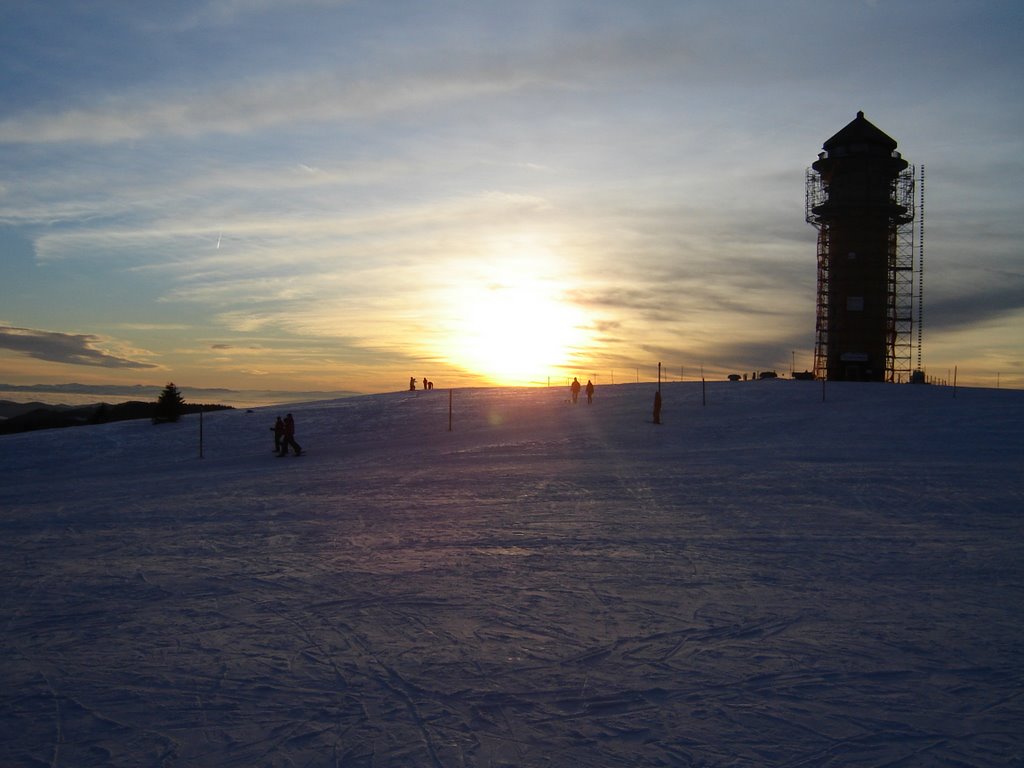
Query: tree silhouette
x=169 y=406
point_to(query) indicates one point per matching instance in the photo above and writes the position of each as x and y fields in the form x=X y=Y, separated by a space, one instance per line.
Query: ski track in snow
x=770 y=580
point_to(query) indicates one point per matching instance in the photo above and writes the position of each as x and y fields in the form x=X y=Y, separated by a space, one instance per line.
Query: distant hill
x=96 y=393
x=27 y=417
x=9 y=409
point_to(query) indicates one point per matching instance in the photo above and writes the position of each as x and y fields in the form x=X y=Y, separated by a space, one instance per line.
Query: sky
x=318 y=195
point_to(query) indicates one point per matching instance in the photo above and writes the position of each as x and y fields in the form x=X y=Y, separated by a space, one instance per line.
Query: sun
x=515 y=330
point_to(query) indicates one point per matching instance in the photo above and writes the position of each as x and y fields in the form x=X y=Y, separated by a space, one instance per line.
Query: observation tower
x=860 y=198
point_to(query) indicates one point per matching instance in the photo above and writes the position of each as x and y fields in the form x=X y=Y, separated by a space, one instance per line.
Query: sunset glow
x=514 y=331
x=314 y=196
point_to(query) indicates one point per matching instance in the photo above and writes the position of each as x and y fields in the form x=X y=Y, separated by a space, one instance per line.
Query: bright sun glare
x=516 y=330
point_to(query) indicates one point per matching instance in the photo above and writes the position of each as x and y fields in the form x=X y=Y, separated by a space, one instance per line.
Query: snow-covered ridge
x=767 y=579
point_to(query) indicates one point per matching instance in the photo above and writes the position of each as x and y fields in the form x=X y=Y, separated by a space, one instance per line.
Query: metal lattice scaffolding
x=900 y=298
x=901 y=281
x=815 y=195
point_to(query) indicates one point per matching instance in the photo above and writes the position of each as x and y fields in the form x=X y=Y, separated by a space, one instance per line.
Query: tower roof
x=860 y=131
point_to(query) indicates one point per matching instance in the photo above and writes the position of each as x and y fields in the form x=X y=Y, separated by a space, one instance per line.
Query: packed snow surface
x=787 y=575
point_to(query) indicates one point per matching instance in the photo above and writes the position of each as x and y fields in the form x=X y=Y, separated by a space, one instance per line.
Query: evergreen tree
x=169 y=406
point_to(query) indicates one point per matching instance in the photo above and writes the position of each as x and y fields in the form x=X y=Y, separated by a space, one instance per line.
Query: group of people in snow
x=575 y=389
x=284 y=429
x=576 y=386
x=284 y=436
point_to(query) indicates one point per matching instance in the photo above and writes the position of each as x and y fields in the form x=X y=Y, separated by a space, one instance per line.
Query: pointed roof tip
x=860 y=131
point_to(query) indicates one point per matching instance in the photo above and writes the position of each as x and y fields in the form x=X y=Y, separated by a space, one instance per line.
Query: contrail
x=218 y=240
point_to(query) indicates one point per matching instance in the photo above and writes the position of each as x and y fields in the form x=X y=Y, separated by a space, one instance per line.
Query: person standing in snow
x=590 y=391
x=575 y=388
x=278 y=430
x=289 y=437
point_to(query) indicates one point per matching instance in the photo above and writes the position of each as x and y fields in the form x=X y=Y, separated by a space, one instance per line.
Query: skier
x=289 y=437
x=590 y=391
x=278 y=430
x=575 y=389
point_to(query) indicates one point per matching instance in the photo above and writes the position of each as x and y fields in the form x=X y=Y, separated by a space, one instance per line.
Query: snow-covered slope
x=769 y=579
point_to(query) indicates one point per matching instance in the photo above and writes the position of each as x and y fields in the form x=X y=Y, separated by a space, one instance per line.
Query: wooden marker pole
x=657 y=399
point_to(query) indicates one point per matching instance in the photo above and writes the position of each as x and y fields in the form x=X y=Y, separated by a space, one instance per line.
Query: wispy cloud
x=976 y=306
x=71 y=349
x=252 y=106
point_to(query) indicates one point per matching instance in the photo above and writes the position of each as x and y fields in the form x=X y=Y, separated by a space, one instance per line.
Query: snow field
x=770 y=580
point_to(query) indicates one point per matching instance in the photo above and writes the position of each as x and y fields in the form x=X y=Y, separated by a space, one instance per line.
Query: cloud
x=973 y=307
x=245 y=107
x=387 y=84
x=71 y=349
x=228 y=12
